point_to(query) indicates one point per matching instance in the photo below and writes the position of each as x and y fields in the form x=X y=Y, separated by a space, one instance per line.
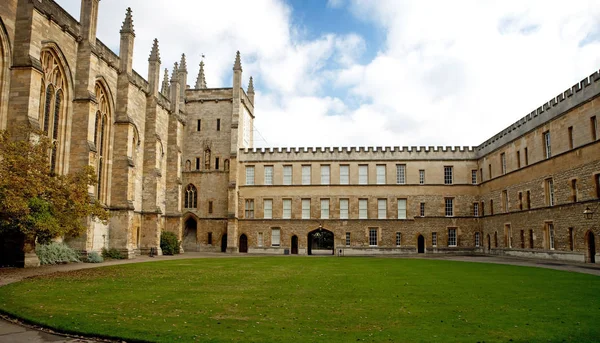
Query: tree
x=37 y=203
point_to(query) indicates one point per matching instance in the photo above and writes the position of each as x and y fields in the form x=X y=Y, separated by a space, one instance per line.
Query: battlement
x=578 y=94
x=358 y=153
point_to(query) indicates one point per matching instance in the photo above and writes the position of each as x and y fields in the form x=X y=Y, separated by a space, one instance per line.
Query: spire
x=175 y=72
x=201 y=80
x=154 y=53
x=128 y=23
x=238 y=63
x=165 y=84
x=251 y=86
x=183 y=63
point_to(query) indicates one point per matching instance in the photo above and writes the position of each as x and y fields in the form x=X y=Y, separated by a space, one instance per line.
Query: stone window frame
x=363 y=174
x=249 y=209
x=268 y=177
x=475 y=209
x=452 y=237
x=382 y=208
x=275 y=236
x=325 y=174
x=380 y=173
x=373 y=236
x=421 y=176
x=344 y=176
x=267 y=210
x=344 y=215
x=288 y=173
x=448 y=175
x=250 y=174
x=503 y=163
x=549 y=189
x=473 y=176
x=402 y=212
x=365 y=209
x=305 y=210
x=434 y=239
x=449 y=207
x=287 y=212
x=547 y=144
x=348 y=239
x=325 y=202
x=306 y=174
x=422 y=209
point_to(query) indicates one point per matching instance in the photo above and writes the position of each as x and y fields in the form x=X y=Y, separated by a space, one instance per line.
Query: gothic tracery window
x=101 y=136
x=52 y=105
x=191 y=196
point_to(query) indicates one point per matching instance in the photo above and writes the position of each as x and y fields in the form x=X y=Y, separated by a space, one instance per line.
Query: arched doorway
x=421 y=244
x=243 y=243
x=320 y=242
x=190 y=240
x=591 y=247
x=224 y=243
x=294 y=245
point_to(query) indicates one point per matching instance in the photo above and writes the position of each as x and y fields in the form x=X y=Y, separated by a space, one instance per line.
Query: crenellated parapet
x=578 y=94
x=359 y=153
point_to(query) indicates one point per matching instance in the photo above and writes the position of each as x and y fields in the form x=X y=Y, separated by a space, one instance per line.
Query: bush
x=112 y=254
x=94 y=257
x=169 y=243
x=55 y=253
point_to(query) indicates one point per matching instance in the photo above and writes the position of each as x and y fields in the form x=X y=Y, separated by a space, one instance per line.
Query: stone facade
x=171 y=157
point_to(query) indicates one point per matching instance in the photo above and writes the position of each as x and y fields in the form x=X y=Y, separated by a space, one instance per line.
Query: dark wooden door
x=421 y=244
x=243 y=244
x=224 y=243
x=592 y=247
x=294 y=245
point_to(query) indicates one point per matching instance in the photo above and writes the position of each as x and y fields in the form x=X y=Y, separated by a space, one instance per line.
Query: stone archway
x=590 y=244
x=243 y=247
x=320 y=242
x=190 y=235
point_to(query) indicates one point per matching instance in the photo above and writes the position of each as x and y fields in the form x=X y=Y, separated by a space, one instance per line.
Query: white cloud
x=448 y=73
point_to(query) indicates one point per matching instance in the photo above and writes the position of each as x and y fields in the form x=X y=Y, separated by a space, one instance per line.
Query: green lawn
x=304 y=299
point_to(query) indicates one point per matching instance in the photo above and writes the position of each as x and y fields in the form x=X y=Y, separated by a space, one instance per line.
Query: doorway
x=421 y=244
x=190 y=241
x=294 y=245
x=243 y=243
x=320 y=242
x=224 y=243
x=591 y=247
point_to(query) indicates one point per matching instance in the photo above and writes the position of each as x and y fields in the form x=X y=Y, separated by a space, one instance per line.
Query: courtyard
x=312 y=299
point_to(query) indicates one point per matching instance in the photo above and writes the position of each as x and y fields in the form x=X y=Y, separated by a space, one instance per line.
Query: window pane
x=287 y=208
x=362 y=209
x=268 y=175
x=401 y=174
x=305 y=208
x=449 y=207
x=398 y=239
x=250 y=175
x=324 y=208
x=287 y=175
x=373 y=237
x=306 y=175
x=344 y=175
x=347 y=238
x=268 y=209
x=343 y=208
x=381 y=208
x=448 y=175
x=452 y=237
x=363 y=176
x=260 y=239
x=422 y=177
x=401 y=208
x=381 y=174
x=324 y=175
x=275 y=237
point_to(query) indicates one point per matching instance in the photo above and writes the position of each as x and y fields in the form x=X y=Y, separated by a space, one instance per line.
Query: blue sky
x=373 y=73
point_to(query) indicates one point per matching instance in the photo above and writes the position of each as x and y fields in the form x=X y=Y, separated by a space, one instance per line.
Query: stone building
x=171 y=157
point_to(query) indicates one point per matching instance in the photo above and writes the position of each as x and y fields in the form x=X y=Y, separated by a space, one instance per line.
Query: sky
x=372 y=73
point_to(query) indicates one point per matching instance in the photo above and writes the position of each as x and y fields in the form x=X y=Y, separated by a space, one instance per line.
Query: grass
x=303 y=299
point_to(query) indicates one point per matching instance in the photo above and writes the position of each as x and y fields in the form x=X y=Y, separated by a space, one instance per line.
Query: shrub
x=112 y=254
x=169 y=243
x=54 y=253
x=94 y=257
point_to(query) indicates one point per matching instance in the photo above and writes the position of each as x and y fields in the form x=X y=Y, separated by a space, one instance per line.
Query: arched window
x=101 y=137
x=207 y=159
x=191 y=196
x=53 y=105
x=226 y=165
x=188 y=165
